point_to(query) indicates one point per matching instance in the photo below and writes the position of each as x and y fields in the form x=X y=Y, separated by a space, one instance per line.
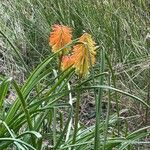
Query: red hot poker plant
x=83 y=53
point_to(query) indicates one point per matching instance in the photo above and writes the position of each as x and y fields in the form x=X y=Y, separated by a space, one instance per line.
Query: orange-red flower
x=84 y=54
x=67 y=61
x=59 y=37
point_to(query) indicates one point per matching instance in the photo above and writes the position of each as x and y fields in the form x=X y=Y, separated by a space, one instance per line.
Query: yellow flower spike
x=67 y=61
x=59 y=37
x=84 y=54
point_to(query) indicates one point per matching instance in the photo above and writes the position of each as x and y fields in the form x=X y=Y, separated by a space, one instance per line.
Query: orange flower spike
x=67 y=61
x=59 y=37
x=84 y=54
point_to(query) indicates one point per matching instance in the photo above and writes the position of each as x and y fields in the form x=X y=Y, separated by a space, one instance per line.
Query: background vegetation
x=38 y=103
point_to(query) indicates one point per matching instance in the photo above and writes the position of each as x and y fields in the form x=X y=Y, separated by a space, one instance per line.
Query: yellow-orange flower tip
x=59 y=37
x=84 y=54
x=67 y=61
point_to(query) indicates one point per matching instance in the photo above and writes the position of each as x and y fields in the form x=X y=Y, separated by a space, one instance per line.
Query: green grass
x=43 y=111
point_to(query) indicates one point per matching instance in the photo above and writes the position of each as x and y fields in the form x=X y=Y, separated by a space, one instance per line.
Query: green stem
x=76 y=117
x=55 y=112
x=60 y=60
x=116 y=95
x=107 y=116
x=99 y=104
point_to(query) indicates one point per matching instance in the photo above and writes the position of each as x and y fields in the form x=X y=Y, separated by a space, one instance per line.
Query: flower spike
x=67 y=61
x=84 y=54
x=59 y=37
